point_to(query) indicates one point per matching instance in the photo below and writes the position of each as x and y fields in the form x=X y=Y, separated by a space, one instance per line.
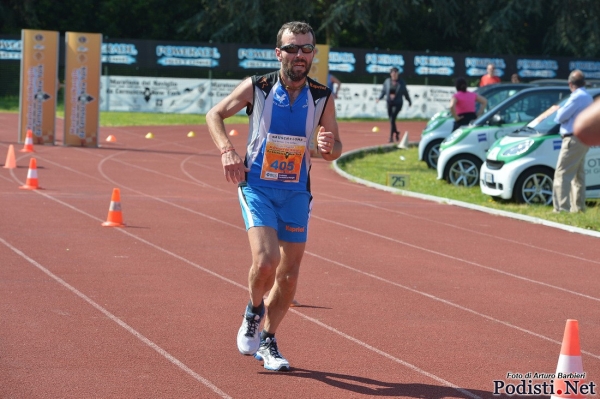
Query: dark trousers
x=393 y=111
x=467 y=117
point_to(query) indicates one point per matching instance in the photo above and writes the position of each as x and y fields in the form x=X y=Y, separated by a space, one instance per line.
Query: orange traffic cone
x=11 y=162
x=115 y=218
x=32 y=177
x=28 y=147
x=569 y=363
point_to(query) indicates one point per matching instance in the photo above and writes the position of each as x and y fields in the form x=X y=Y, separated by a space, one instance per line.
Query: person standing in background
x=568 y=192
x=490 y=77
x=514 y=78
x=462 y=104
x=393 y=90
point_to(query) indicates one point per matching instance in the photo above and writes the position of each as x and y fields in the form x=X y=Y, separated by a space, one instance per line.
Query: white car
x=521 y=165
x=440 y=125
x=463 y=152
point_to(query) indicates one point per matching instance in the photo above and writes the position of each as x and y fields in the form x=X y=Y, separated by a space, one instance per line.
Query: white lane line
x=447 y=302
x=443 y=255
x=462 y=228
x=121 y=323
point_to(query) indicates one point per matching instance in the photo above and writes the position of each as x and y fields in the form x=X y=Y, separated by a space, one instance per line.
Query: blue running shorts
x=287 y=211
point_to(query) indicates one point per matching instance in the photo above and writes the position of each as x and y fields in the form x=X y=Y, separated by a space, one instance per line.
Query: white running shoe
x=248 y=338
x=269 y=353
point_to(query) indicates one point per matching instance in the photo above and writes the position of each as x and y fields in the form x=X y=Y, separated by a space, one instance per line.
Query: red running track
x=402 y=297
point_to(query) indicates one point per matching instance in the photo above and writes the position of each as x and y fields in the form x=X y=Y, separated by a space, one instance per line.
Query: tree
x=535 y=27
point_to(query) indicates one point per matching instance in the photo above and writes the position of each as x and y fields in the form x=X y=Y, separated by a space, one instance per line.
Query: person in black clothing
x=393 y=90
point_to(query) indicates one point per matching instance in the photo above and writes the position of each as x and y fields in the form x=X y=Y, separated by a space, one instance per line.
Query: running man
x=285 y=108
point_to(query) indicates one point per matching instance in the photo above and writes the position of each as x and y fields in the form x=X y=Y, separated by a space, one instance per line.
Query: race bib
x=283 y=158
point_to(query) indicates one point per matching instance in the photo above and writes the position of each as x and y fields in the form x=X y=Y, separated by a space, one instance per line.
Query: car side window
x=496 y=98
x=527 y=108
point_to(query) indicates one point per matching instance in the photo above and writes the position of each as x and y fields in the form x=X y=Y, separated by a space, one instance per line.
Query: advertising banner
x=358 y=101
x=39 y=79
x=82 y=88
x=197 y=96
x=164 y=95
x=346 y=63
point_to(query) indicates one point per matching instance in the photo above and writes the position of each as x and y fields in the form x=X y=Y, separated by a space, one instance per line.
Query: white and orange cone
x=11 y=161
x=115 y=218
x=569 y=361
x=28 y=147
x=111 y=139
x=32 y=177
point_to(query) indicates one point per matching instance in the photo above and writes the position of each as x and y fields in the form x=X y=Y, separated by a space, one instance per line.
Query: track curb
x=442 y=200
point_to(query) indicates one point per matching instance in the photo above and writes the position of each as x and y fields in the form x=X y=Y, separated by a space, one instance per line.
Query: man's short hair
x=297 y=28
x=394 y=69
x=577 y=78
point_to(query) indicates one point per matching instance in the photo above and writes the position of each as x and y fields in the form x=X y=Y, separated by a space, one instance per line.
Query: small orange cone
x=11 y=162
x=28 y=147
x=233 y=132
x=111 y=139
x=569 y=361
x=32 y=177
x=115 y=218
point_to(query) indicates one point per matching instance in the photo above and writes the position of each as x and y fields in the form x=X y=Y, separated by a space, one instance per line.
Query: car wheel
x=432 y=153
x=534 y=187
x=463 y=170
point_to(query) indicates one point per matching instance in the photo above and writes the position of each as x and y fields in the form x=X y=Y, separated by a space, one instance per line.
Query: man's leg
x=265 y=258
x=578 y=184
x=284 y=288
x=566 y=169
x=280 y=298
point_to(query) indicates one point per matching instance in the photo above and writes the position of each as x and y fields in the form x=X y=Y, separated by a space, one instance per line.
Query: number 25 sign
x=397 y=180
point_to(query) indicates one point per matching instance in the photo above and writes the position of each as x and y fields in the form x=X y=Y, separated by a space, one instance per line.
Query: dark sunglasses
x=293 y=48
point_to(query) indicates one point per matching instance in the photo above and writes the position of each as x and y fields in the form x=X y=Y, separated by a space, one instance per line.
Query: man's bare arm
x=328 y=139
x=240 y=97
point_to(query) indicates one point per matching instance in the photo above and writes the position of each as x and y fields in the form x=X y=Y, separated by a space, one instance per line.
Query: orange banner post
x=39 y=79
x=82 y=88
